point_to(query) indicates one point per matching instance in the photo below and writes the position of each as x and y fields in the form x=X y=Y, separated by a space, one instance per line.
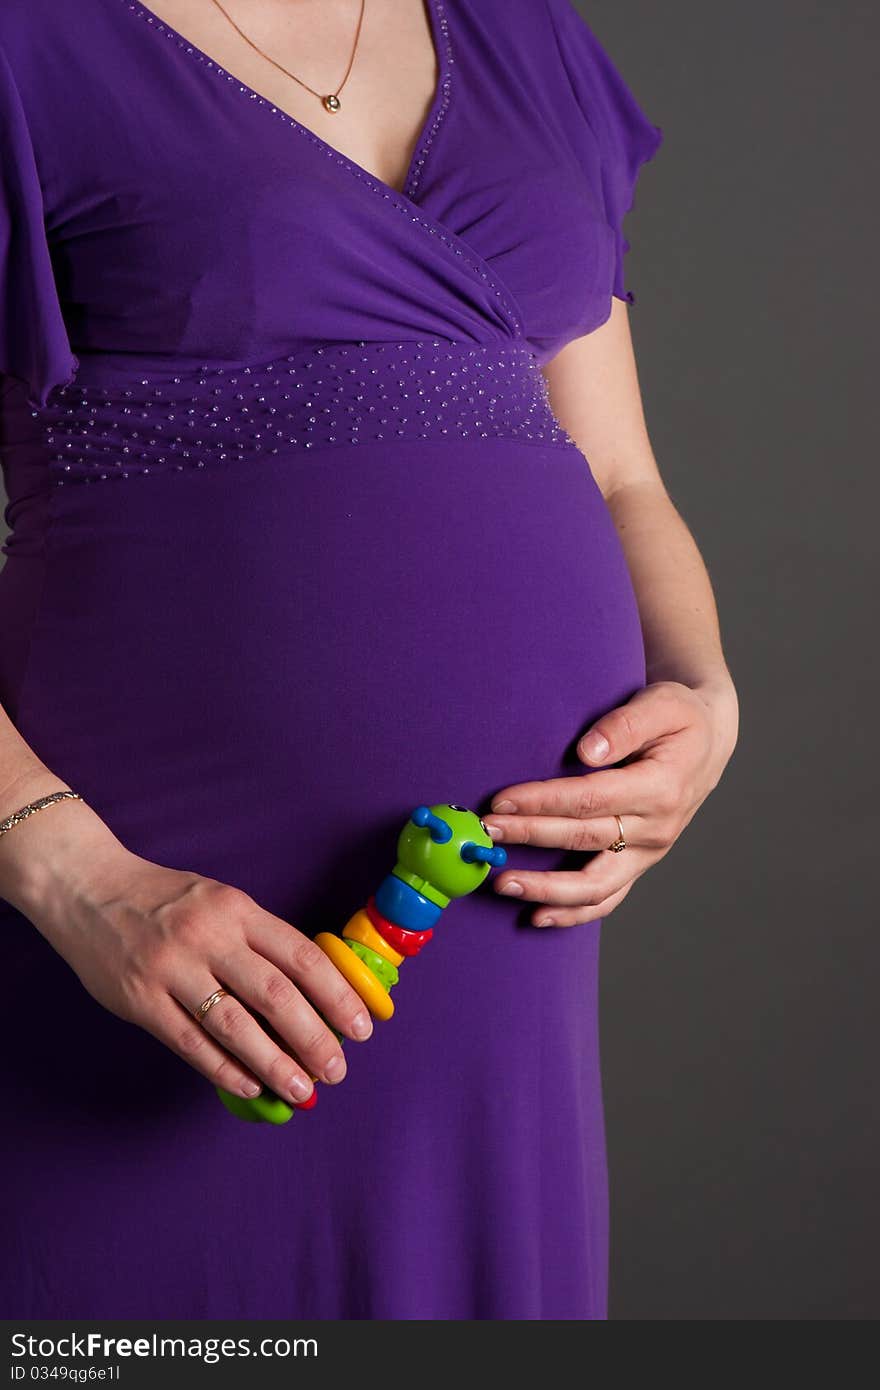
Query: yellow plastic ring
x=358 y=974
x=360 y=928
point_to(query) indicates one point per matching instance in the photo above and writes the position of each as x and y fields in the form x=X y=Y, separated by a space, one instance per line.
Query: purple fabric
x=297 y=543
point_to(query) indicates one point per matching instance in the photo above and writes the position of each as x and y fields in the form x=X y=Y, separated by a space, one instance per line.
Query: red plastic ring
x=408 y=943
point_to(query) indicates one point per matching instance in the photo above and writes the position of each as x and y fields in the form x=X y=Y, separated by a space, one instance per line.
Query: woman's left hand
x=676 y=740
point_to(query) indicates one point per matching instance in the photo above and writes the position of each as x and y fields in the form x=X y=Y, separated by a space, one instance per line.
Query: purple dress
x=296 y=544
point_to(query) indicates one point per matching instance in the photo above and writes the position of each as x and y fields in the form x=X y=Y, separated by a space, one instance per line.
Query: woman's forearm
x=675 y=598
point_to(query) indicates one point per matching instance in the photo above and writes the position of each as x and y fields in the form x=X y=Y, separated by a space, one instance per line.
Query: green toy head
x=448 y=846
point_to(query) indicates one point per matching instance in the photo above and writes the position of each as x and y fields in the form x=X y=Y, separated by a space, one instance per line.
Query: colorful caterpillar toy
x=443 y=852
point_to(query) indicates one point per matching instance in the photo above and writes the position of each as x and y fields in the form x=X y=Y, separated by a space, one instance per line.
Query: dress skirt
x=254 y=670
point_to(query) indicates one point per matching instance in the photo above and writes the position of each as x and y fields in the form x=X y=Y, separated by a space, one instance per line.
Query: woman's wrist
x=718 y=693
x=51 y=848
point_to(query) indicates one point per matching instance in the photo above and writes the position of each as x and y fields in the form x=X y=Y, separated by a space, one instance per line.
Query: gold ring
x=199 y=1013
x=620 y=842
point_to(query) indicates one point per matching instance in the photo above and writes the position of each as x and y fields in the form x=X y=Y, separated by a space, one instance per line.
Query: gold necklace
x=330 y=101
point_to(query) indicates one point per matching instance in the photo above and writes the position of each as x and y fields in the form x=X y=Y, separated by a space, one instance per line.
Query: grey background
x=739 y=976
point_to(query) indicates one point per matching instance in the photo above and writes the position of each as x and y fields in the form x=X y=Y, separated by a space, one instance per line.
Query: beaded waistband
x=328 y=397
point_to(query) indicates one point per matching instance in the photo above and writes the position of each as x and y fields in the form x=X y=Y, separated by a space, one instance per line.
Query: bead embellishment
x=332 y=396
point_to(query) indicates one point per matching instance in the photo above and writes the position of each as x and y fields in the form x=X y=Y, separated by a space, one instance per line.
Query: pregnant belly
x=242 y=668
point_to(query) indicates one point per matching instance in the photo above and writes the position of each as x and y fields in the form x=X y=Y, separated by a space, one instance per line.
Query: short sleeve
x=626 y=138
x=34 y=346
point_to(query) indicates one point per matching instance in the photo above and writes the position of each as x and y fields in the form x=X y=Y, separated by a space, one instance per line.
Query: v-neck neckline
x=405 y=202
x=430 y=126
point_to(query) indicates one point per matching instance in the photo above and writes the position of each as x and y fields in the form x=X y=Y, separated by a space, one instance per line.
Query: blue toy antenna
x=441 y=832
x=483 y=854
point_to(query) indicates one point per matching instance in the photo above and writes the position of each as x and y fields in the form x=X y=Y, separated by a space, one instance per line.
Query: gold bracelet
x=25 y=811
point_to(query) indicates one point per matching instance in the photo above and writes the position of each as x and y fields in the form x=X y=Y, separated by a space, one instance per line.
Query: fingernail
x=495 y=831
x=513 y=889
x=595 y=746
x=335 y=1068
x=250 y=1088
x=299 y=1087
x=502 y=806
x=362 y=1025
x=546 y=922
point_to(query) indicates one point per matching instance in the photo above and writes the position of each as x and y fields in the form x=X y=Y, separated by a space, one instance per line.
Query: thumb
x=618 y=733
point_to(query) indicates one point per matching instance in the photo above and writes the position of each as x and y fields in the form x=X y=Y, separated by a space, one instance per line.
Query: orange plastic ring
x=360 y=928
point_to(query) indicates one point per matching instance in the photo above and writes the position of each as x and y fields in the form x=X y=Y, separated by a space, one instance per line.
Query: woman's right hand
x=150 y=943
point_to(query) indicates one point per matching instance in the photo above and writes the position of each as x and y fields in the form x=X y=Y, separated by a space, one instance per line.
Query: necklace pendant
x=331 y=102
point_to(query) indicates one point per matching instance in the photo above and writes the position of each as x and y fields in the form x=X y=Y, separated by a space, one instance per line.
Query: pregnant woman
x=329 y=493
